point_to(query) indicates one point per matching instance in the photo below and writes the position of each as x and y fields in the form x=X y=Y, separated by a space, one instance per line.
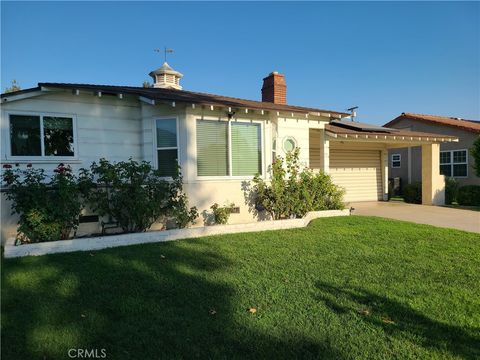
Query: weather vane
x=165 y=52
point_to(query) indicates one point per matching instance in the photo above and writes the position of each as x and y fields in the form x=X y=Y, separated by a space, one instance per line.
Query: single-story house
x=220 y=142
x=456 y=159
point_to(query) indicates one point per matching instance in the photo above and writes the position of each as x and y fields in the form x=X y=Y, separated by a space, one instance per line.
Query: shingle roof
x=469 y=125
x=189 y=97
x=355 y=128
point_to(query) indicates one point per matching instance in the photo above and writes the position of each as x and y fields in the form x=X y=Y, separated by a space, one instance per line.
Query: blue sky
x=385 y=57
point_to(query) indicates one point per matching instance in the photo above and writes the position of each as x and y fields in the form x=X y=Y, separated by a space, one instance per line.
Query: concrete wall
x=466 y=140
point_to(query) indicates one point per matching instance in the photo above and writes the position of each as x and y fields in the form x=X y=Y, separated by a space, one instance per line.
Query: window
x=396 y=160
x=454 y=163
x=246 y=150
x=289 y=144
x=212 y=148
x=167 y=146
x=41 y=136
x=274 y=149
x=228 y=148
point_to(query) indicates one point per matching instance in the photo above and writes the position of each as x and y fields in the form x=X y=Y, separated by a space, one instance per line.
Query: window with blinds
x=246 y=150
x=167 y=147
x=212 y=148
x=215 y=151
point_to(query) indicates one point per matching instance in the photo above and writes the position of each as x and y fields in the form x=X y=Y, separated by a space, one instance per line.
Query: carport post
x=324 y=152
x=384 y=164
x=433 y=184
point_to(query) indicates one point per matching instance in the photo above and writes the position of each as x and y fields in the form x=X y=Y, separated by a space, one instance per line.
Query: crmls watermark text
x=87 y=353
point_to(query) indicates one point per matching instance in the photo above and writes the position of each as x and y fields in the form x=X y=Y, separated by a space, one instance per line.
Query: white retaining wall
x=102 y=242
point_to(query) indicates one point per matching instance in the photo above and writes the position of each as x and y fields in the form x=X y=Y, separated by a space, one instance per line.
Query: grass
x=342 y=288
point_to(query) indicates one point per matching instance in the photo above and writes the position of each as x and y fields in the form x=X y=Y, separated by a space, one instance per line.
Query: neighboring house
x=220 y=142
x=455 y=158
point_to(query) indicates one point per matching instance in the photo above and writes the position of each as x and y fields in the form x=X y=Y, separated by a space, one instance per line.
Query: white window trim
x=451 y=163
x=41 y=158
x=232 y=177
x=399 y=160
x=155 y=146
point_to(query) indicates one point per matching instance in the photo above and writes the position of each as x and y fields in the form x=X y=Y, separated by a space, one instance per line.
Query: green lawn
x=342 y=288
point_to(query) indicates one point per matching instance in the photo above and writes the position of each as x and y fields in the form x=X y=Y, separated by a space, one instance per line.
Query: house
x=220 y=142
x=455 y=158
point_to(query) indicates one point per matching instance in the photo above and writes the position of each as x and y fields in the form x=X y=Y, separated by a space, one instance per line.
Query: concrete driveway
x=468 y=220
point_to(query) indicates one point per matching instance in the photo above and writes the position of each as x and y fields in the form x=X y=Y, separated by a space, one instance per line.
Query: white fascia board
x=147 y=100
x=26 y=95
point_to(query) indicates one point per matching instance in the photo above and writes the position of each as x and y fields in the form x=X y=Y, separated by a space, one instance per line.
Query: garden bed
x=101 y=242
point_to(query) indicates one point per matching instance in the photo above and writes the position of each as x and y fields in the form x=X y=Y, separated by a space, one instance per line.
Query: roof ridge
x=465 y=124
x=437 y=116
x=152 y=91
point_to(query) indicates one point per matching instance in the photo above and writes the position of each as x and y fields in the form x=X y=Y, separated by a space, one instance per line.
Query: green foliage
x=48 y=207
x=222 y=214
x=469 y=195
x=412 y=193
x=451 y=190
x=475 y=151
x=178 y=203
x=13 y=87
x=134 y=194
x=293 y=192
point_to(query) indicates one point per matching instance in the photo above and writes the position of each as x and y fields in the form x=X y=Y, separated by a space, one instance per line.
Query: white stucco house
x=220 y=142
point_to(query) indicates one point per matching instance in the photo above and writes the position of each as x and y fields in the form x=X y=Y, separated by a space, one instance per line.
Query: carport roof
x=350 y=129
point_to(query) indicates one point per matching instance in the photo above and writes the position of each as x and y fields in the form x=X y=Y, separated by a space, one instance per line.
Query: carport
x=356 y=157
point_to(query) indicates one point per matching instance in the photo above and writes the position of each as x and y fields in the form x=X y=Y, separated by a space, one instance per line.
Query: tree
x=13 y=87
x=475 y=151
x=146 y=84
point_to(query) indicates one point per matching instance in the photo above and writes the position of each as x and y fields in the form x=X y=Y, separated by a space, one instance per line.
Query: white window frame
x=399 y=161
x=451 y=163
x=41 y=158
x=155 y=145
x=229 y=134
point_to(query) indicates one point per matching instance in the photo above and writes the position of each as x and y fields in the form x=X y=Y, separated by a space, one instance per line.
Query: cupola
x=166 y=78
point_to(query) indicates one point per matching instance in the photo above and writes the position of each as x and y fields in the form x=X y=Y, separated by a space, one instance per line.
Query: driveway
x=467 y=220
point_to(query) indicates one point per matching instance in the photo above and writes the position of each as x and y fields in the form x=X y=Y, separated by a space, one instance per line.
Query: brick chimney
x=274 y=89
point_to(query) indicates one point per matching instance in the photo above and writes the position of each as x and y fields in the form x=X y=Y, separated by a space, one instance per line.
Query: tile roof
x=468 y=125
x=188 y=97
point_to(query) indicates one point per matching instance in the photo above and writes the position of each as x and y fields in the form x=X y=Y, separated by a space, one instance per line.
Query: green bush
x=412 y=193
x=451 y=190
x=135 y=195
x=49 y=207
x=469 y=195
x=292 y=193
x=221 y=214
x=475 y=151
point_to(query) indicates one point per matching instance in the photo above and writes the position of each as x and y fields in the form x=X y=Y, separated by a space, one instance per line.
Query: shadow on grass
x=143 y=302
x=398 y=320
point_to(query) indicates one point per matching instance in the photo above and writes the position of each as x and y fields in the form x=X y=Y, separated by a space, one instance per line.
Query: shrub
x=412 y=193
x=178 y=203
x=475 y=151
x=292 y=193
x=221 y=214
x=469 y=195
x=451 y=190
x=135 y=195
x=48 y=206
